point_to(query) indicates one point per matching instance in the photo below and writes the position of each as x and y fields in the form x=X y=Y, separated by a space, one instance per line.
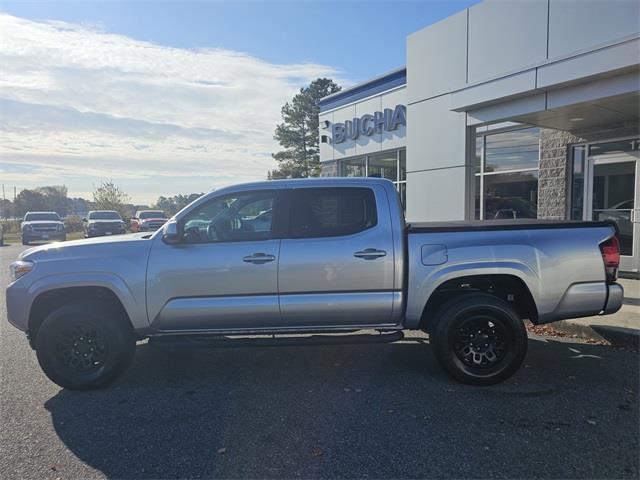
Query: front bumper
x=18 y=305
x=43 y=236
x=149 y=228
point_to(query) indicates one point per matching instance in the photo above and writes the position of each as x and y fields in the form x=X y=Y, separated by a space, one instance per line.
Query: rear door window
x=331 y=212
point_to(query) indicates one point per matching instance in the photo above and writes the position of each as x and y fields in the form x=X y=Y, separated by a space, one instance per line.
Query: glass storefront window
x=384 y=165
x=613 y=198
x=478 y=197
x=511 y=195
x=478 y=159
x=391 y=165
x=603 y=187
x=353 y=167
x=506 y=179
x=402 y=188
x=577 y=182
x=620 y=146
x=512 y=150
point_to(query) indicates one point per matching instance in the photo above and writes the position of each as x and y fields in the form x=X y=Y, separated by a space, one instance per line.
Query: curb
x=617 y=336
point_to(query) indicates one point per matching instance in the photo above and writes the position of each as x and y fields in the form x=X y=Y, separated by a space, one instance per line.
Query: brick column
x=553 y=177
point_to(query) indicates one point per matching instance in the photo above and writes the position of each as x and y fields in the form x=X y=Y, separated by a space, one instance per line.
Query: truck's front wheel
x=84 y=345
x=479 y=339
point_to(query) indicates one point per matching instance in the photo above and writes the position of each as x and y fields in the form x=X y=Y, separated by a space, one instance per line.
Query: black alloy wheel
x=82 y=348
x=85 y=344
x=479 y=339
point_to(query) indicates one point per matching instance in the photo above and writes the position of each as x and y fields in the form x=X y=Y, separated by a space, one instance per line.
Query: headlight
x=20 y=268
x=60 y=228
x=26 y=227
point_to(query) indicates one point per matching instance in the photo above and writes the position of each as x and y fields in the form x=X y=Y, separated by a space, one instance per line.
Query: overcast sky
x=176 y=99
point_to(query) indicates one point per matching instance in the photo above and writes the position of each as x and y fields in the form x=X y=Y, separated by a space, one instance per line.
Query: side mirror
x=84 y=220
x=171 y=233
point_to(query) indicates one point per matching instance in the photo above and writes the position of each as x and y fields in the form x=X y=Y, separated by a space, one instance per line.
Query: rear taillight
x=611 y=257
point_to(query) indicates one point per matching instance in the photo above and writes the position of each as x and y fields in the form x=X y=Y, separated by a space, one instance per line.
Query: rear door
x=337 y=260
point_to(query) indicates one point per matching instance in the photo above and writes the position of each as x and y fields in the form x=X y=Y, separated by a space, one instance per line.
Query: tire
x=479 y=339
x=85 y=345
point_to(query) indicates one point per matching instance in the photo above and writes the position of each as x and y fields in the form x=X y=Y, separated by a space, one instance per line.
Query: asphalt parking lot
x=369 y=411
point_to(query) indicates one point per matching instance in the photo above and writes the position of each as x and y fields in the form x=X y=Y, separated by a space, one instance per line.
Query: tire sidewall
x=119 y=339
x=449 y=319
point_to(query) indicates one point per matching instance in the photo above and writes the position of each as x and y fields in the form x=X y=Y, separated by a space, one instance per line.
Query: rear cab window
x=331 y=212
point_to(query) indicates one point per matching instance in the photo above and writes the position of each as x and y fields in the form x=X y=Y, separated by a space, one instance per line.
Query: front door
x=224 y=273
x=337 y=260
x=613 y=179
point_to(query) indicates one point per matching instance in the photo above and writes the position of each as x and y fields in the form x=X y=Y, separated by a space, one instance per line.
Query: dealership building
x=506 y=110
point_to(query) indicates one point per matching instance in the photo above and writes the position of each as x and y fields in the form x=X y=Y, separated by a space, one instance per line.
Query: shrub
x=11 y=226
x=73 y=223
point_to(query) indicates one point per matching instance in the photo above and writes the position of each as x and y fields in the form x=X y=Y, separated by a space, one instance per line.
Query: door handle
x=259 y=258
x=370 y=254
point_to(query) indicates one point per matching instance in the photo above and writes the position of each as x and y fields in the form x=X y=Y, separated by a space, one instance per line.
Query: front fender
x=128 y=295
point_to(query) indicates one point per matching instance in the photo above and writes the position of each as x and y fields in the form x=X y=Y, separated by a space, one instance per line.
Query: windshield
x=104 y=216
x=152 y=214
x=39 y=216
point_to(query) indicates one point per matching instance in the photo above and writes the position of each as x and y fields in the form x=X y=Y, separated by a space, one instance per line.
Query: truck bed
x=487 y=225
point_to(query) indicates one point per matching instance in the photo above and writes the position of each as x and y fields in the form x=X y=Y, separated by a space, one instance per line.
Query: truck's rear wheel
x=84 y=345
x=479 y=339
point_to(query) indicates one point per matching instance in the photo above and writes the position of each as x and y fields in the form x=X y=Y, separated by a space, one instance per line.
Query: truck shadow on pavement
x=384 y=411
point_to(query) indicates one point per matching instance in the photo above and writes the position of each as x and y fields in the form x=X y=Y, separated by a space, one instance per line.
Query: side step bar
x=289 y=340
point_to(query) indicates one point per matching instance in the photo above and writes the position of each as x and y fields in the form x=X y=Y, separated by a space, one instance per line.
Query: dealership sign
x=386 y=121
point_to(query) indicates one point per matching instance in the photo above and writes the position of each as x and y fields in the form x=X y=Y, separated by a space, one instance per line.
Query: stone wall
x=555 y=175
x=553 y=178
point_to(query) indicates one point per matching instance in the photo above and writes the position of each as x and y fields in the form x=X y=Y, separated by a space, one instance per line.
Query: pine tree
x=298 y=132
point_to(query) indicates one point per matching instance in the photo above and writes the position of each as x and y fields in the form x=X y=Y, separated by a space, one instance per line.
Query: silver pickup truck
x=292 y=258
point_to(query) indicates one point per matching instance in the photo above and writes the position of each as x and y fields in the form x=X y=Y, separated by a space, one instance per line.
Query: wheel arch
x=507 y=287
x=49 y=300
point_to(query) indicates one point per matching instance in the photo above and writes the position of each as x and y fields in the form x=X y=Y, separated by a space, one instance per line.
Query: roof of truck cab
x=320 y=181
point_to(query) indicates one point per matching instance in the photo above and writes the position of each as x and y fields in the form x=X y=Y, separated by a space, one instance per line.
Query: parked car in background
x=148 y=220
x=42 y=226
x=337 y=256
x=103 y=222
